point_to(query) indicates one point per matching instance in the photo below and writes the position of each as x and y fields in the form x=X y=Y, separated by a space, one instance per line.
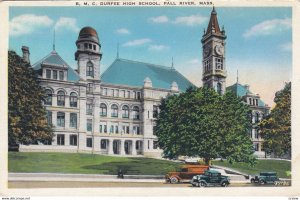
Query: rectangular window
x=73 y=120
x=89 y=108
x=48 y=73
x=136 y=130
x=49 y=117
x=89 y=142
x=89 y=125
x=128 y=94
x=55 y=74
x=123 y=93
x=100 y=128
x=155 y=111
x=90 y=87
x=155 y=144
x=85 y=45
x=127 y=129
x=61 y=119
x=73 y=140
x=134 y=94
x=138 y=95
x=61 y=75
x=112 y=92
x=60 y=139
x=105 y=128
x=117 y=129
x=94 y=47
x=103 y=144
x=90 y=46
x=111 y=130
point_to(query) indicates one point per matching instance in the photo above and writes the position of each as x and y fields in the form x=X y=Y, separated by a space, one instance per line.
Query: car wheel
x=202 y=184
x=252 y=180
x=262 y=182
x=174 y=180
x=224 y=184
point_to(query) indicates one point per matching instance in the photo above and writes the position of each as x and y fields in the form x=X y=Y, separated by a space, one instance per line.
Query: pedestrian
x=120 y=174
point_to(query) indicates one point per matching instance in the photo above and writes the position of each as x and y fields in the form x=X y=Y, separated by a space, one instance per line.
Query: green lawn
x=86 y=164
x=281 y=167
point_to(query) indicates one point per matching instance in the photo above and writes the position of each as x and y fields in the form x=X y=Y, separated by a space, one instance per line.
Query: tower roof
x=213 y=25
x=88 y=34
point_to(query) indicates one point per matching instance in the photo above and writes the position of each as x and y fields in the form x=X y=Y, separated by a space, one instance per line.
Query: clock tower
x=213 y=44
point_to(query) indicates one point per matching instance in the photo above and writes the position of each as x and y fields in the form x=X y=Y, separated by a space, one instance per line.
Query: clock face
x=219 y=49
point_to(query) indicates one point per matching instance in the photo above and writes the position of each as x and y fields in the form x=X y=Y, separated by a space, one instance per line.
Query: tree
x=27 y=122
x=276 y=127
x=200 y=122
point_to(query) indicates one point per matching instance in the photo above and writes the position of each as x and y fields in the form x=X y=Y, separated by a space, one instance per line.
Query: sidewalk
x=82 y=177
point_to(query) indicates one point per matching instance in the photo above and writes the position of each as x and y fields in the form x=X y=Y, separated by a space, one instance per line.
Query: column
x=122 y=150
x=67 y=101
x=110 y=147
x=133 y=147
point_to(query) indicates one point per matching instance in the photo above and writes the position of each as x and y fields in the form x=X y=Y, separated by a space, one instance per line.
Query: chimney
x=26 y=54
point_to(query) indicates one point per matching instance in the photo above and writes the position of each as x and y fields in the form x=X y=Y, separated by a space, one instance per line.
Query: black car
x=265 y=177
x=210 y=178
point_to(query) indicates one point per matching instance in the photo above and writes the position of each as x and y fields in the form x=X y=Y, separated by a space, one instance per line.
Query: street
x=84 y=184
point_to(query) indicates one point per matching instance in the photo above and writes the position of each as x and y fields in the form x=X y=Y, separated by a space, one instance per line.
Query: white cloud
x=158 y=47
x=137 y=42
x=28 y=23
x=287 y=47
x=66 y=23
x=159 y=19
x=269 y=27
x=123 y=31
x=194 y=61
x=191 y=20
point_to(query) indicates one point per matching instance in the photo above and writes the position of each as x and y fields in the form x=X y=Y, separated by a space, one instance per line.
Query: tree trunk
x=207 y=161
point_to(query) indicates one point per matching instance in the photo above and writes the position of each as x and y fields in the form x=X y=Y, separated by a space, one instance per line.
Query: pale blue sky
x=259 y=39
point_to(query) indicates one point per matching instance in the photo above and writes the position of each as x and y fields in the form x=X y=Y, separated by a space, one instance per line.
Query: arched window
x=60 y=98
x=219 y=88
x=103 y=110
x=48 y=99
x=73 y=100
x=125 y=112
x=136 y=111
x=257 y=117
x=90 y=69
x=114 y=110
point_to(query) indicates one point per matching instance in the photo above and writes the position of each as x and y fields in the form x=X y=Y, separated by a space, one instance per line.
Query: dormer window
x=61 y=75
x=90 y=69
x=55 y=74
x=48 y=73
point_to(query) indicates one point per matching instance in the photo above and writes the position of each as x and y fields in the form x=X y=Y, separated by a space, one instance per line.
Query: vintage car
x=210 y=178
x=265 y=177
x=185 y=173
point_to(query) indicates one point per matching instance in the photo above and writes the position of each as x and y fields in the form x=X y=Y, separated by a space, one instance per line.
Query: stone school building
x=114 y=114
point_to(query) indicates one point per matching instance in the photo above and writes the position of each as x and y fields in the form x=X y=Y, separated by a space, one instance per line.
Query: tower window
x=90 y=69
x=85 y=45
x=90 y=87
x=94 y=47
x=219 y=88
x=90 y=46
x=206 y=66
x=219 y=63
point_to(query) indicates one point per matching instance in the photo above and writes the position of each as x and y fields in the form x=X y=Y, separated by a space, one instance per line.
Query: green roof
x=133 y=73
x=53 y=59
x=241 y=90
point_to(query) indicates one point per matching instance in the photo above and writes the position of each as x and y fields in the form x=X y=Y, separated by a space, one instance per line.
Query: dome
x=88 y=33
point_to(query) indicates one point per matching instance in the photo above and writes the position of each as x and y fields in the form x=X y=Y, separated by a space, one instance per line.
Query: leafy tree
x=202 y=123
x=276 y=127
x=27 y=122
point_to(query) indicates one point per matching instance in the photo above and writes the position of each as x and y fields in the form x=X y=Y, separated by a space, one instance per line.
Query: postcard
x=120 y=98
